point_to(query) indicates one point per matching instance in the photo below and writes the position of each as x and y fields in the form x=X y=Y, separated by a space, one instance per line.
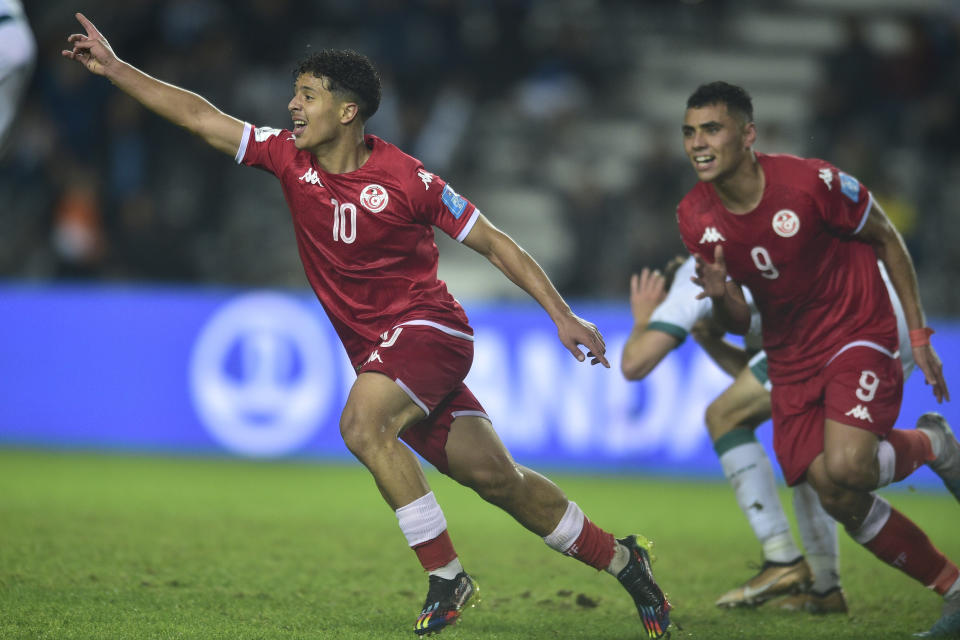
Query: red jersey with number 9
x=366 y=237
x=818 y=287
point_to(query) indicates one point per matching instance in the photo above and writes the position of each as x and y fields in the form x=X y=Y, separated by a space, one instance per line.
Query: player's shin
x=818 y=533
x=748 y=469
x=893 y=538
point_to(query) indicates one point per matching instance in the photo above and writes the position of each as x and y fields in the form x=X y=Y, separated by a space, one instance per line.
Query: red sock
x=594 y=546
x=912 y=449
x=436 y=552
x=903 y=545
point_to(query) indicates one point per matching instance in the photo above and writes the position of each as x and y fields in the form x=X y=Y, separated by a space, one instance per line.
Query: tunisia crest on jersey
x=374 y=198
x=786 y=223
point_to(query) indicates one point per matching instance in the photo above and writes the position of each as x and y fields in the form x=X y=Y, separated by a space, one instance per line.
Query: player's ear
x=348 y=112
x=749 y=135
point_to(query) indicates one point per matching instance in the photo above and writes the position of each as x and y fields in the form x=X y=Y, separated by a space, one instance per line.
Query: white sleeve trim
x=467 y=227
x=242 y=151
x=866 y=213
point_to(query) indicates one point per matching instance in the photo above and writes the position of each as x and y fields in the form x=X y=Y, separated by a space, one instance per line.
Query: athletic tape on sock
x=421 y=520
x=887 y=461
x=567 y=530
x=877 y=517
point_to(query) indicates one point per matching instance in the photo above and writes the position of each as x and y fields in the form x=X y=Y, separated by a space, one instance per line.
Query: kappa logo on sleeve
x=262 y=134
x=426 y=177
x=827 y=176
x=850 y=186
x=454 y=202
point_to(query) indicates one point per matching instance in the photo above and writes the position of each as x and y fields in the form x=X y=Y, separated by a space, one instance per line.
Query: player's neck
x=742 y=190
x=343 y=155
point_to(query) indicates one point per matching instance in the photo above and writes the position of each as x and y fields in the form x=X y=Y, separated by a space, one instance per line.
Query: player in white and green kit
x=664 y=316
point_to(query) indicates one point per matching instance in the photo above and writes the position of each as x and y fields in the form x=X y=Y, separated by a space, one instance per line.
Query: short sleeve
x=680 y=310
x=843 y=202
x=265 y=148
x=435 y=202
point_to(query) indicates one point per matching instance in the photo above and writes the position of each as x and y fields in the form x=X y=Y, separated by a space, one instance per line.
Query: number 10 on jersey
x=344 y=221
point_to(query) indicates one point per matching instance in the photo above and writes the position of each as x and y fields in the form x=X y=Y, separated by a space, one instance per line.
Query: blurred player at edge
x=18 y=51
x=363 y=213
x=805 y=238
x=665 y=309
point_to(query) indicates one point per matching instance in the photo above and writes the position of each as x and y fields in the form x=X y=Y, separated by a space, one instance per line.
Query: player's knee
x=363 y=433
x=847 y=468
x=719 y=419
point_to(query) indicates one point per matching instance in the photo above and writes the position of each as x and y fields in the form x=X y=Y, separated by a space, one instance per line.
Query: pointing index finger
x=91 y=30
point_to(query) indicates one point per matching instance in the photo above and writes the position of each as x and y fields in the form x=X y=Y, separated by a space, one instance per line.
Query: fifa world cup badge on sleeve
x=454 y=202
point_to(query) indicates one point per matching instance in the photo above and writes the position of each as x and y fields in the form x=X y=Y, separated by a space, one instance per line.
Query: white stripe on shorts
x=863 y=343
x=446 y=330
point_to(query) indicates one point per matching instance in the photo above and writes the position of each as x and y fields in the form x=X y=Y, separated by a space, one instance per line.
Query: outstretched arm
x=886 y=240
x=645 y=348
x=729 y=357
x=177 y=105
x=523 y=271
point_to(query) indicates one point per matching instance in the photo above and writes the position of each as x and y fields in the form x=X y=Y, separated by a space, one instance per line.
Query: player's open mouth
x=703 y=162
x=299 y=126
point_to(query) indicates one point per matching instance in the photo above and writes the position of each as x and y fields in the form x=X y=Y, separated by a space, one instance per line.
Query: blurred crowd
x=486 y=92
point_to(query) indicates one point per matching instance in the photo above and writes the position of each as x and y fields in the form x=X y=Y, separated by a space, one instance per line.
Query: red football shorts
x=862 y=387
x=429 y=364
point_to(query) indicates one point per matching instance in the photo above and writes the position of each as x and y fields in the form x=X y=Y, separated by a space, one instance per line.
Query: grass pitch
x=101 y=546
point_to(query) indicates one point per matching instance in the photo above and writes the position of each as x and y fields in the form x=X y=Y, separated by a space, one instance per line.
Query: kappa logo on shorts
x=374 y=198
x=860 y=412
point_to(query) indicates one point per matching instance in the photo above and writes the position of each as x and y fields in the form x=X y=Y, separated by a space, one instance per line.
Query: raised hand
x=711 y=277
x=91 y=49
x=574 y=331
x=647 y=290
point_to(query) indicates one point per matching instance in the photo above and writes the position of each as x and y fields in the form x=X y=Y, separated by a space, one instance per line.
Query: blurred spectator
x=18 y=51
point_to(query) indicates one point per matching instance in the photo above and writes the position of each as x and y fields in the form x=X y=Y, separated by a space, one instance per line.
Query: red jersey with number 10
x=817 y=287
x=366 y=237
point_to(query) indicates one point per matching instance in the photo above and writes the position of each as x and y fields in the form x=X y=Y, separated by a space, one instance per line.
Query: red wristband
x=920 y=337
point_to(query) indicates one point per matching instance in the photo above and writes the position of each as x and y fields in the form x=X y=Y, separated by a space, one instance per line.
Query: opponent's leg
x=731 y=419
x=818 y=532
x=477 y=458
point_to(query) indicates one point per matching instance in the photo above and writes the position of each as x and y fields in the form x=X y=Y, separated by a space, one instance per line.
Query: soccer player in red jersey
x=805 y=238
x=363 y=213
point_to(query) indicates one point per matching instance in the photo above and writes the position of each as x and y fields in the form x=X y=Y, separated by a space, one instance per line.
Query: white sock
x=936 y=440
x=449 y=571
x=818 y=532
x=567 y=530
x=748 y=469
x=421 y=520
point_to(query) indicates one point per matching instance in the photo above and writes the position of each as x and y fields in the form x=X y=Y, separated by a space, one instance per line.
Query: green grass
x=99 y=546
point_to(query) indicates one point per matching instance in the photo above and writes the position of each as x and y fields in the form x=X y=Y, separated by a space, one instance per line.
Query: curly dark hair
x=350 y=75
x=736 y=98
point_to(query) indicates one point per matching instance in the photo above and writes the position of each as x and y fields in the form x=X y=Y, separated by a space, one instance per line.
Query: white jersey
x=677 y=314
x=18 y=51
